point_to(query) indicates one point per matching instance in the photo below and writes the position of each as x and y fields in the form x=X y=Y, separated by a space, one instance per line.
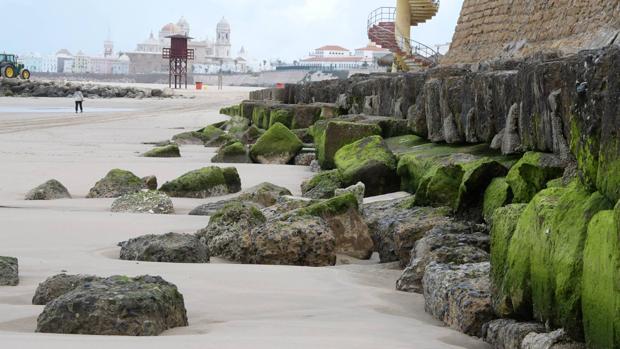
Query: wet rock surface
x=118 y=305
x=50 y=190
x=152 y=202
x=167 y=248
x=9 y=271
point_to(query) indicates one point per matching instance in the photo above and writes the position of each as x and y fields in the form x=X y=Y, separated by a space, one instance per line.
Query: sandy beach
x=229 y=306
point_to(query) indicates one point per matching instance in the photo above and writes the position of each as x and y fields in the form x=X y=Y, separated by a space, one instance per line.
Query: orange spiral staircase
x=383 y=30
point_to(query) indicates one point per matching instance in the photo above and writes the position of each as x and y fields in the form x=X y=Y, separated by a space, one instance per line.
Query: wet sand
x=229 y=306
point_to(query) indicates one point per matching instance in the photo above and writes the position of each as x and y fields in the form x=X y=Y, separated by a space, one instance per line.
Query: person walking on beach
x=79 y=98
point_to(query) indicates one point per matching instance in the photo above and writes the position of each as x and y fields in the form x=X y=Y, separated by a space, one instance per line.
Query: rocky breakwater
x=36 y=88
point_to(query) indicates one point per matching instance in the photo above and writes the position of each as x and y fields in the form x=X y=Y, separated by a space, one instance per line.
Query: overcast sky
x=286 y=29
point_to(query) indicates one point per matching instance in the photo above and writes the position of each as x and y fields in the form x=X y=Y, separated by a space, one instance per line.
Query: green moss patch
x=233 y=153
x=204 y=183
x=281 y=115
x=322 y=185
x=497 y=194
x=277 y=145
x=371 y=162
x=168 y=151
x=531 y=174
x=333 y=206
x=261 y=115
x=330 y=136
x=233 y=110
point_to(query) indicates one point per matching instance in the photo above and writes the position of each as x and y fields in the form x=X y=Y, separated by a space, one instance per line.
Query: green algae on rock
x=168 y=151
x=116 y=183
x=531 y=174
x=232 y=153
x=505 y=221
x=204 y=183
x=330 y=136
x=281 y=115
x=497 y=194
x=322 y=185
x=277 y=146
x=368 y=161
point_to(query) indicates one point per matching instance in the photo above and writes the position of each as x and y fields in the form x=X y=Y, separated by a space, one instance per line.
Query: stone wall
x=491 y=29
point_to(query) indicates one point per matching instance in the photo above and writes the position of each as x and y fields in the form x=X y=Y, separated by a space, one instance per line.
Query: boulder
x=9 y=271
x=55 y=286
x=277 y=146
x=150 y=182
x=497 y=194
x=296 y=240
x=234 y=153
x=168 y=248
x=453 y=243
x=115 y=184
x=251 y=135
x=330 y=136
x=118 y=305
x=531 y=174
x=168 y=151
x=304 y=159
x=358 y=190
x=371 y=162
x=504 y=225
x=323 y=185
x=204 y=183
x=214 y=136
x=228 y=227
x=264 y=194
x=50 y=190
x=189 y=138
x=509 y=334
x=281 y=115
x=152 y=202
x=341 y=214
x=559 y=339
x=286 y=204
x=459 y=295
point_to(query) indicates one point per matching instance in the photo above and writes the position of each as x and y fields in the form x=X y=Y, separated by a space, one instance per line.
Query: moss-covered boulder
x=600 y=297
x=497 y=194
x=251 y=135
x=233 y=153
x=281 y=115
x=504 y=225
x=50 y=190
x=115 y=184
x=260 y=116
x=167 y=248
x=527 y=251
x=233 y=110
x=330 y=136
x=322 y=185
x=531 y=174
x=204 y=183
x=264 y=194
x=215 y=137
x=371 y=162
x=189 y=138
x=168 y=151
x=236 y=126
x=277 y=146
x=575 y=210
x=342 y=215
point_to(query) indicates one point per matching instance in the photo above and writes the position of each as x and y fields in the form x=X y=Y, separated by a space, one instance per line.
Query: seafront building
x=334 y=57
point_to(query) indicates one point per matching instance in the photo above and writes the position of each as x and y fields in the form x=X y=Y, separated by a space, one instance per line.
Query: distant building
x=209 y=56
x=334 y=57
x=37 y=63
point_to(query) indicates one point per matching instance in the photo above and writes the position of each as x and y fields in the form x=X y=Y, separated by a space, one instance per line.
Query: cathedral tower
x=222 y=43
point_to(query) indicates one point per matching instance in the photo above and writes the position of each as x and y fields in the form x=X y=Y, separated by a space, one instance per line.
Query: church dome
x=170 y=28
x=223 y=25
x=183 y=22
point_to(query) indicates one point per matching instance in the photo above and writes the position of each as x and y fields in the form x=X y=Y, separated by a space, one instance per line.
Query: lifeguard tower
x=178 y=55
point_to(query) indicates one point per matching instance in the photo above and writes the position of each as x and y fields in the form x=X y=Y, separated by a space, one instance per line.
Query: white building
x=37 y=63
x=334 y=57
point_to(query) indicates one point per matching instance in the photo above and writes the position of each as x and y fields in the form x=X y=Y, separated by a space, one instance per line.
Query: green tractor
x=9 y=68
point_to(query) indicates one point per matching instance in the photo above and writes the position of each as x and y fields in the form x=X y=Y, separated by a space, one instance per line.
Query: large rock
x=459 y=295
x=277 y=146
x=330 y=136
x=214 y=136
x=115 y=184
x=168 y=151
x=559 y=339
x=452 y=243
x=263 y=195
x=509 y=334
x=50 y=190
x=251 y=135
x=234 y=153
x=57 y=285
x=358 y=190
x=204 y=183
x=152 y=202
x=118 y=305
x=371 y=162
x=168 y=248
x=531 y=174
x=189 y=138
x=9 y=271
x=323 y=185
x=227 y=228
x=497 y=194
x=297 y=240
x=342 y=215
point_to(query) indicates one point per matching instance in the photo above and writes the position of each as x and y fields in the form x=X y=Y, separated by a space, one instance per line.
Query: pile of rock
x=36 y=88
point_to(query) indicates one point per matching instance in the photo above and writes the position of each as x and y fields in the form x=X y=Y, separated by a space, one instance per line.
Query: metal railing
x=409 y=47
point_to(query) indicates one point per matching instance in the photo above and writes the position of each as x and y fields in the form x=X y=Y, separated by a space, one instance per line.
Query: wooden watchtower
x=178 y=55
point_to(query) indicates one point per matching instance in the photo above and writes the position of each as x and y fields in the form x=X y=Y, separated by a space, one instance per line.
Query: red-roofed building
x=334 y=57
